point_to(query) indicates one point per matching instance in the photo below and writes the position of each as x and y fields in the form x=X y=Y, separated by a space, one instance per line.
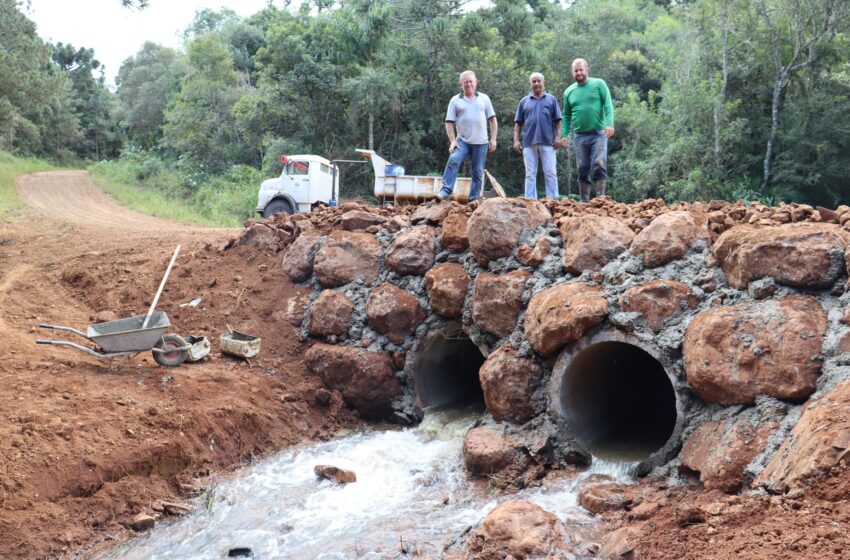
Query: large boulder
x=509 y=382
x=412 y=252
x=365 y=379
x=804 y=255
x=347 y=256
x=393 y=312
x=356 y=220
x=520 y=529
x=454 y=232
x=720 y=450
x=591 y=241
x=563 y=314
x=330 y=313
x=430 y=214
x=497 y=224
x=446 y=285
x=818 y=443
x=770 y=347
x=497 y=301
x=668 y=237
x=488 y=451
x=298 y=259
x=658 y=300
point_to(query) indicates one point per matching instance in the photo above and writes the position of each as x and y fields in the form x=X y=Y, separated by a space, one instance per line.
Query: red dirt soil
x=85 y=448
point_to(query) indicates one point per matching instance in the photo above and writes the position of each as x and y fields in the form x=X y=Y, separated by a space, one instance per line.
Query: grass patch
x=150 y=185
x=11 y=167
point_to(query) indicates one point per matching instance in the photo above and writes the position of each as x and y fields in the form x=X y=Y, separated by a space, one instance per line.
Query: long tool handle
x=161 y=286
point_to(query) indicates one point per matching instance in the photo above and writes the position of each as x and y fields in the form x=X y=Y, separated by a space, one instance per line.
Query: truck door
x=298 y=173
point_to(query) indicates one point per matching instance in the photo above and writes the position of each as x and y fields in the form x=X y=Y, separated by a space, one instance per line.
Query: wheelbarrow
x=129 y=337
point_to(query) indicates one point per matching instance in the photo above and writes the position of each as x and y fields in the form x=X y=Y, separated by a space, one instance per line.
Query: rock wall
x=743 y=307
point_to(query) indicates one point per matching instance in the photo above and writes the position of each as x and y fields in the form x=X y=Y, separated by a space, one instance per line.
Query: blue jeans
x=591 y=155
x=546 y=155
x=478 y=153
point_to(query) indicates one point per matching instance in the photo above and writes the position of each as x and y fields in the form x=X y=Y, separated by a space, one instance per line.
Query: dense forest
x=714 y=98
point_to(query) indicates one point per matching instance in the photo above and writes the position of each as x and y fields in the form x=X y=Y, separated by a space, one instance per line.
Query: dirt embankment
x=84 y=448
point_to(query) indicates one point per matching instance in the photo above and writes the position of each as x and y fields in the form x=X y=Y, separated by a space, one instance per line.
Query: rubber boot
x=600 y=187
x=584 y=191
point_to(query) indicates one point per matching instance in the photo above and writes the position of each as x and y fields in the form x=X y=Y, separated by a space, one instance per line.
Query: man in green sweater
x=588 y=110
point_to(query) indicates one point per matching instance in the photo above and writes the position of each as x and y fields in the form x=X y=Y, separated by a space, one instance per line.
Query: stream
x=411 y=499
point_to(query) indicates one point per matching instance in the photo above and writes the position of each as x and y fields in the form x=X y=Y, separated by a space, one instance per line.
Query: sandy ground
x=84 y=448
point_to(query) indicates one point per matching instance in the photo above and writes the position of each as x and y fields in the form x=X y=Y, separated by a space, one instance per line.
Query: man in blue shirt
x=471 y=113
x=539 y=114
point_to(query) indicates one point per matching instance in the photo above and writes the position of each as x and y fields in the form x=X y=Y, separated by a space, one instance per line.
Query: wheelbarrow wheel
x=171 y=355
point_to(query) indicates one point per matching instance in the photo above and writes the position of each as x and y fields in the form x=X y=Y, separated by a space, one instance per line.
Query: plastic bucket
x=393 y=170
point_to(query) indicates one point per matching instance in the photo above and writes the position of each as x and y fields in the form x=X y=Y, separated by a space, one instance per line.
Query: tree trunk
x=721 y=97
x=371 y=131
x=774 y=126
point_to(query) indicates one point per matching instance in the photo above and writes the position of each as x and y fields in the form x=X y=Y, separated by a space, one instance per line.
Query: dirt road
x=85 y=448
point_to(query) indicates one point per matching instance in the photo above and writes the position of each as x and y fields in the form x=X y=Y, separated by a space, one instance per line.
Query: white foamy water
x=411 y=492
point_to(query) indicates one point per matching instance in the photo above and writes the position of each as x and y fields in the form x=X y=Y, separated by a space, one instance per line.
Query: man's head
x=468 y=83
x=580 y=70
x=536 y=81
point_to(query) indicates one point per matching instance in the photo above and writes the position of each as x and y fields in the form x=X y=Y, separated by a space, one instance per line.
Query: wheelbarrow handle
x=61 y=328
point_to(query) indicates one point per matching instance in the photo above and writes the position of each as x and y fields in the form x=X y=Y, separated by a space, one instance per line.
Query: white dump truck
x=307 y=180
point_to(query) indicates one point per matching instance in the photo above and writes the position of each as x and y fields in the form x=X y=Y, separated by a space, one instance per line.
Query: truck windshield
x=297 y=168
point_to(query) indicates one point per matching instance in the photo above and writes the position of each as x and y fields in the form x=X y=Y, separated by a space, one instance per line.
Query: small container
x=198 y=349
x=239 y=344
x=393 y=170
x=332 y=202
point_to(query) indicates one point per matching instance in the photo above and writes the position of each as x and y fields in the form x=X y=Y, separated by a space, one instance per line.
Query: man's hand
x=452 y=146
x=609 y=131
x=492 y=145
x=517 y=147
x=558 y=143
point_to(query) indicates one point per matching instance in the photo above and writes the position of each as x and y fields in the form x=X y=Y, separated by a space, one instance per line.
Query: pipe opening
x=447 y=373
x=618 y=401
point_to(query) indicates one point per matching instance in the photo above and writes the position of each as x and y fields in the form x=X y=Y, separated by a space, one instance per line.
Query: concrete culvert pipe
x=446 y=372
x=618 y=401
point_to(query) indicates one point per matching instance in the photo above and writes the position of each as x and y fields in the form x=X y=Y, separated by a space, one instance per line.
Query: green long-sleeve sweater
x=587 y=107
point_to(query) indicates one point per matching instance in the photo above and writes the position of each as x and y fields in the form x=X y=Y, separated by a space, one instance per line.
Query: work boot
x=600 y=187
x=584 y=191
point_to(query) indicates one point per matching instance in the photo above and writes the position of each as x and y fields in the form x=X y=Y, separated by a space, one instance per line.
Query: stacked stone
x=743 y=304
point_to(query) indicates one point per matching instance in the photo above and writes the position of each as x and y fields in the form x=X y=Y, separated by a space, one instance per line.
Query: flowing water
x=411 y=494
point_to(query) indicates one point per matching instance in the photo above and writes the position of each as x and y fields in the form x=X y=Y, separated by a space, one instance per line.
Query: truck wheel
x=276 y=207
x=171 y=356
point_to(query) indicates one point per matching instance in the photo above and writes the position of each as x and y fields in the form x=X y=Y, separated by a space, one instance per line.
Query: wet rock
x=393 y=312
x=509 y=382
x=487 y=451
x=346 y=256
x=534 y=256
x=658 y=300
x=358 y=220
x=805 y=255
x=520 y=529
x=497 y=301
x=335 y=474
x=496 y=226
x=298 y=259
x=454 y=232
x=668 y=237
x=563 y=314
x=818 y=442
x=771 y=347
x=412 y=252
x=364 y=378
x=446 y=285
x=143 y=522
x=603 y=496
x=719 y=451
x=330 y=313
x=591 y=242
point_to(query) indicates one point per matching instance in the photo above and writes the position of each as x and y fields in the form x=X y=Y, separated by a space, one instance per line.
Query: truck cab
x=305 y=180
